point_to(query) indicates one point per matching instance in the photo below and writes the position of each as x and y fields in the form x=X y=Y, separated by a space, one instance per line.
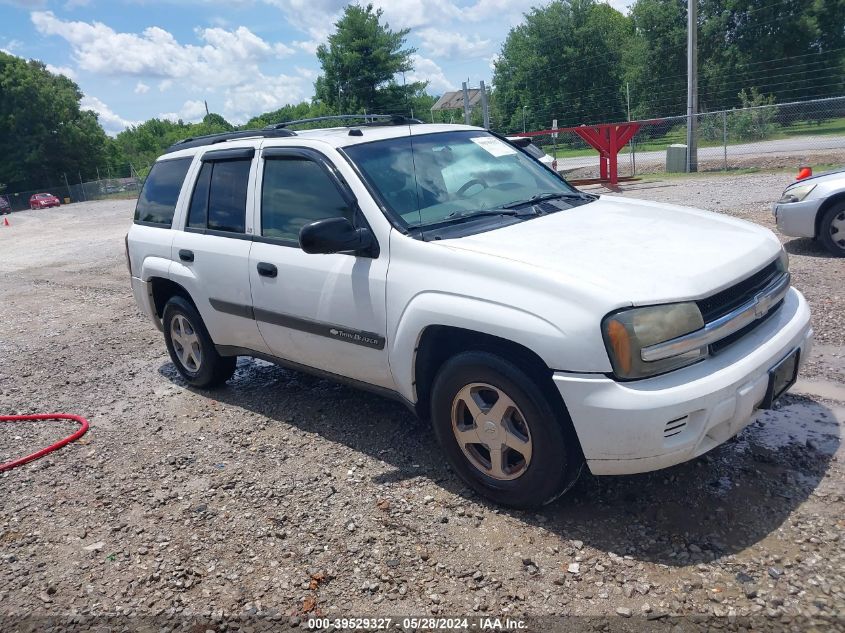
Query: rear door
x=322 y=311
x=211 y=255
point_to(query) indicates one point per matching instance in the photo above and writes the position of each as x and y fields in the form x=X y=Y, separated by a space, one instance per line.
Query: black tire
x=833 y=237
x=212 y=370
x=556 y=460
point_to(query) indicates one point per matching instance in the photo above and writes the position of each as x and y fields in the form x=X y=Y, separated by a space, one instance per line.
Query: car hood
x=639 y=252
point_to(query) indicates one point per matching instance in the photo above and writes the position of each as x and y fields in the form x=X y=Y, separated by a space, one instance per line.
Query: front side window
x=297 y=191
x=160 y=193
x=430 y=178
x=219 y=199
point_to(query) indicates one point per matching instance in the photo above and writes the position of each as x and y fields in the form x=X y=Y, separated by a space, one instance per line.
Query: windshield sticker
x=493 y=146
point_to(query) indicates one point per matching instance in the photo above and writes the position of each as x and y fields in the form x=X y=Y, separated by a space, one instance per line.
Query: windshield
x=432 y=178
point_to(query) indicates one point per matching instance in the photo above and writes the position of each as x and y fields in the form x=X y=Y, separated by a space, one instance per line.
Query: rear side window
x=219 y=199
x=296 y=192
x=158 y=198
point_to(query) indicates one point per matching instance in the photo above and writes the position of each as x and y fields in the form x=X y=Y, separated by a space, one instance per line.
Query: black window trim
x=288 y=152
x=236 y=153
x=163 y=225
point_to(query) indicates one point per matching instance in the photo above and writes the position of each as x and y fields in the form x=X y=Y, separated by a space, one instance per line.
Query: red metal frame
x=606 y=138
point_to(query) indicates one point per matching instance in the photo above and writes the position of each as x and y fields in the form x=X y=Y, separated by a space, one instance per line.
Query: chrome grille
x=723 y=302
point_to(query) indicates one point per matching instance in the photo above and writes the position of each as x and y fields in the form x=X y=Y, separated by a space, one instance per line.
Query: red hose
x=83 y=428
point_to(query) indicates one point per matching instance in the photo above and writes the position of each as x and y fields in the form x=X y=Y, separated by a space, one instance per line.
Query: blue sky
x=137 y=59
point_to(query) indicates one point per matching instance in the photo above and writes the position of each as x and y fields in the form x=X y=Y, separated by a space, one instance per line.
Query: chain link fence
x=116 y=188
x=768 y=136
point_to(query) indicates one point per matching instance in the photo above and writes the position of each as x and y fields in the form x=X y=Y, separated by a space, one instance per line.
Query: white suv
x=538 y=327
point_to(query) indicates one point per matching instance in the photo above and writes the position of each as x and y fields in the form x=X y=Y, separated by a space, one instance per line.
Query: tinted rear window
x=158 y=198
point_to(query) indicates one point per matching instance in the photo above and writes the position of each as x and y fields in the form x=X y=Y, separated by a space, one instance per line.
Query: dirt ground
x=283 y=496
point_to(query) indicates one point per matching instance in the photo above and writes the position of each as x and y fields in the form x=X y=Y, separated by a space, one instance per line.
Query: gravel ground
x=286 y=496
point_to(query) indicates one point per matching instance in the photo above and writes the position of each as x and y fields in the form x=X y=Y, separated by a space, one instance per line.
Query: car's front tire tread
x=824 y=235
x=556 y=460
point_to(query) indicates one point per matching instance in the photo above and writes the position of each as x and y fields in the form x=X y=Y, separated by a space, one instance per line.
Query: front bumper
x=797 y=219
x=645 y=425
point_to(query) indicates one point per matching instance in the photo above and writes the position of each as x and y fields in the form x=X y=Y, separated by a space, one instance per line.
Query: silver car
x=815 y=207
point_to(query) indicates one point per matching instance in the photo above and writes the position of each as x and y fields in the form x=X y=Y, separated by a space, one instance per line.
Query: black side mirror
x=335 y=235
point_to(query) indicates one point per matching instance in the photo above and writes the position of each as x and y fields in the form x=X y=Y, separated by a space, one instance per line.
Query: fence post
x=725 y=136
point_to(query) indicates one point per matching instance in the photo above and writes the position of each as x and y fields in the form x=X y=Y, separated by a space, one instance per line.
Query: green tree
x=142 y=144
x=43 y=131
x=656 y=59
x=361 y=63
x=563 y=62
x=790 y=49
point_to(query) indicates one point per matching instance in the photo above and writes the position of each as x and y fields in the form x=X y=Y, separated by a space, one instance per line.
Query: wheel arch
x=438 y=343
x=163 y=289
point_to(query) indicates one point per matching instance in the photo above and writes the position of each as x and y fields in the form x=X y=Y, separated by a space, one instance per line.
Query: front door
x=322 y=311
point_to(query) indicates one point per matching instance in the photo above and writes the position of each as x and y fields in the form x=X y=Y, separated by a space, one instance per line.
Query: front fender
x=438 y=308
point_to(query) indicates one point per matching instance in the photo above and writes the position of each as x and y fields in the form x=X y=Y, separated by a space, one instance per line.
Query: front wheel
x=501 y=432
x=832 y=230
x=191 y=348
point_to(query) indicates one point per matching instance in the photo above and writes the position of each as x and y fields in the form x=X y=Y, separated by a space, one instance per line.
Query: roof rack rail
x=211 y=139
x=369 y=119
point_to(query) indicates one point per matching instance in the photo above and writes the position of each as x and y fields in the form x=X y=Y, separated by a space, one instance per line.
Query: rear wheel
x=832 y=230
x=501 y=433
x=191 y=348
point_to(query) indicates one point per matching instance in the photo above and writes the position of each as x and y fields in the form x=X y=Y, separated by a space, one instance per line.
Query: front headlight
x=796 y=194
x=627 y=332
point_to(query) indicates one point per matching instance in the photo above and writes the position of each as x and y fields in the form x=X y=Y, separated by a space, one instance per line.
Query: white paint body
x=545 y=284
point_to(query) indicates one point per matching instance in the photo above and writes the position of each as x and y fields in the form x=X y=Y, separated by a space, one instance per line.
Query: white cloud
x=309 y=46
x=223 y=60
x=453 y=45
x=308 y=73
x=427 y=70
x=263 y=93
x=141 y=88
x=112 y=123
x=412 y=14
x=62 y=70
x=191 y=112
x=11 y=46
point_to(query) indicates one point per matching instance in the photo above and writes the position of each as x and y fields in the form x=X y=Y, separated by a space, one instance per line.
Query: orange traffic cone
x=6 y=222
x=804 y=172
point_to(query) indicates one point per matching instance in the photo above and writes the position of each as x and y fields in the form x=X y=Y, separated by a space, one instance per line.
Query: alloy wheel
x=491 y=431
x=186 y=343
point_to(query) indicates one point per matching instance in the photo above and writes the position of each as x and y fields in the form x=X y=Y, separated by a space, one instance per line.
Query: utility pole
x=206 y=106
x=466 y=104
x=485 y=112
x=692 y=85
x=523 y=118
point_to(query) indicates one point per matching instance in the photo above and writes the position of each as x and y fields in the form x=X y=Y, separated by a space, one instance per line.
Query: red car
x=43 y=201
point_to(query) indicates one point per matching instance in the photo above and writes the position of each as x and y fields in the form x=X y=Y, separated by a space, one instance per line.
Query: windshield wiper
x=482 y=213
x=465 y=216
x=545 y=196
